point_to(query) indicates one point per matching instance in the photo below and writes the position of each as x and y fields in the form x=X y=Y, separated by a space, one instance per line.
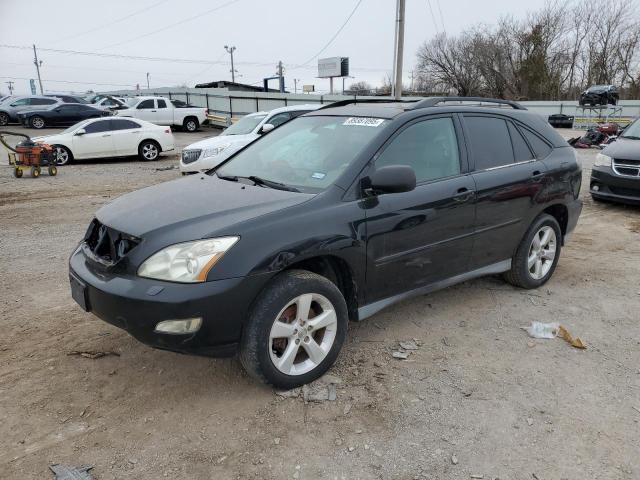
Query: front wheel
x=36 y=122
x=295 y=330
x=149 y=151
x=537 y=255
x=61 y=154
x=4 y=119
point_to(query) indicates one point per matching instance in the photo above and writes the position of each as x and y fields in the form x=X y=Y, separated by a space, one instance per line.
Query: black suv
x=330 y=217
x=599 y=95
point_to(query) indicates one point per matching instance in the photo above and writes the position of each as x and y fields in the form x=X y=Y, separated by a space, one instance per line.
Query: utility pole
x=148 y=87
x=412 y=76
x=230 y=51
x=398 y=50
x=37 y=64
x=295 y=85
x=10 y=83
x=280 y=74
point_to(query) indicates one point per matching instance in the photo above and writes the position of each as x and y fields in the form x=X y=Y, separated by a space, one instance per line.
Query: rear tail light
x=206 y=112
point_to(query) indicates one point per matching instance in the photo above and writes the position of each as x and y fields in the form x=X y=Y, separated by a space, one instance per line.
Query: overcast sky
x=263 y=32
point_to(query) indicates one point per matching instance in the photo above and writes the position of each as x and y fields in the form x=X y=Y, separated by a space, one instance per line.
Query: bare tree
x=360 y=88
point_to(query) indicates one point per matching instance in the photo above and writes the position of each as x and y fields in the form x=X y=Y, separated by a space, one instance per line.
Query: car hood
x=623 y=148
x=231 y=140
x=199 y=205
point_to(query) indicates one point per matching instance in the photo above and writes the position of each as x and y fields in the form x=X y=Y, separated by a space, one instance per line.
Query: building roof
x=234 y=86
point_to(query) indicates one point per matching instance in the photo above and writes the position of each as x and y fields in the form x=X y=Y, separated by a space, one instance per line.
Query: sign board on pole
x=333 y=67
x=308 y=88
x=32 y=82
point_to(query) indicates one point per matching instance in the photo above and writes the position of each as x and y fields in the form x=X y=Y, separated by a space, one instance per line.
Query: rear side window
x=21 y=102
x=162 y=104
x=490 y=142
x=99 y=126
x=43 y=101
x=521 y=150
x=122 y=124
x=429 y=147
x=145 y=104
x=540 y=147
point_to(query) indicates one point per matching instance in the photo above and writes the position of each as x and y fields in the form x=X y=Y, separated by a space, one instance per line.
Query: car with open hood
x=208 y=153
x=330 y=217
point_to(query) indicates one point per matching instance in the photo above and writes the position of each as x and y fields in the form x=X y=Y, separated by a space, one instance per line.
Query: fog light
x=595 y=187
x=189 y=325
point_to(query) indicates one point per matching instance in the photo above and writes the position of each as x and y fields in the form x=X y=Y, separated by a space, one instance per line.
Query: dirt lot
x=478 y=397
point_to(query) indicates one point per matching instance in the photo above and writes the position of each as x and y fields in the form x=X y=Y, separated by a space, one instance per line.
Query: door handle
x=107 y=135
x=154 y=111
x=463 y=194
x=537 y=174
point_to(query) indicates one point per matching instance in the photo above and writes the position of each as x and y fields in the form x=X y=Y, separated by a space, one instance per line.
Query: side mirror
x=392 y=179
x=81 y=131
x=267 y=127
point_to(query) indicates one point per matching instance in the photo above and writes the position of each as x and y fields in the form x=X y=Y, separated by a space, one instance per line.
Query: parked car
x=615 y=175
x=68 y=98
x=161 y=111
x=110 y=103
x=599 y=95
x=208 y=153
x=333 y=216
x=59 y=115
x=9 y=109
x=560 y=120
x=110 y=137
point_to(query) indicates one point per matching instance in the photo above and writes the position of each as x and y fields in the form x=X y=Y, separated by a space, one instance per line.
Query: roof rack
x=342 y=103
x=435 y=101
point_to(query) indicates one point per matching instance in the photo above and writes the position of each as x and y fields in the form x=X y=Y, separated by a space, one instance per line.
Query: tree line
x=553 y=54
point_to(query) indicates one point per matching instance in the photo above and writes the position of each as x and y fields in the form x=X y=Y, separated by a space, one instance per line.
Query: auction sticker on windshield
x=363 y=121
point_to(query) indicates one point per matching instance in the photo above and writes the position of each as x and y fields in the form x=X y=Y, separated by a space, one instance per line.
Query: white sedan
x=110 y=137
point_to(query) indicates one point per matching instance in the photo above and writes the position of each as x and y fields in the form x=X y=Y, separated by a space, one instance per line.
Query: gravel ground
x=477 y=398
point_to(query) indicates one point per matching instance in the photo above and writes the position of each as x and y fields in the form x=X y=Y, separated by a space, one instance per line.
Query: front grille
x=627 y=192
x=190 y=156
x=627 y=168
x=107 y=245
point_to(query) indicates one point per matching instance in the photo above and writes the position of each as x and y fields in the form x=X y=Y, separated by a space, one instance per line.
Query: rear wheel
x=295 y=330
x=35 y=172
x=4 y=118
x=17 y=172
x=36 y=122
x=191 y=124
x=53 y=171
x=62 y=154
x=537 y=255
x=149 y=151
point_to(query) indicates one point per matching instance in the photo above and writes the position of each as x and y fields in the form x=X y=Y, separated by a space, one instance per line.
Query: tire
x=267 y=342
x=521 y=274
x=4 y=119
x=35 y=172
x=191 y=124
x=17 y=172
x=36 y=122
x=62 y=155
x=53 y=171
x=149 y=151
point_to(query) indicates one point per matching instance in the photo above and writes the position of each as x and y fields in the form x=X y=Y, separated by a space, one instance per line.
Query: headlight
x=188 y=262
x=602 y=160
x=212 y=152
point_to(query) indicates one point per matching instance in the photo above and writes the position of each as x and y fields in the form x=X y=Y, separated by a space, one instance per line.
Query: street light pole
x=230 y=51
x=398 y=50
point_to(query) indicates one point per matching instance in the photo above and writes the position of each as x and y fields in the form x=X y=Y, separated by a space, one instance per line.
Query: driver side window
x=430 y=147
x=146 y=104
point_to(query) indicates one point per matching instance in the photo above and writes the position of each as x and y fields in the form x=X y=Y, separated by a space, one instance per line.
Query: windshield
x=75 y=126
x=632 y=131
x=308 y=153
x=244 y=125
x=131 y=101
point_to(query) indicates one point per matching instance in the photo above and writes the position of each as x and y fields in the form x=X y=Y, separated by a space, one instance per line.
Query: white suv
x=208 y=153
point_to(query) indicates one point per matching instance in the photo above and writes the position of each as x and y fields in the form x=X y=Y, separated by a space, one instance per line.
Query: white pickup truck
x=161 y=111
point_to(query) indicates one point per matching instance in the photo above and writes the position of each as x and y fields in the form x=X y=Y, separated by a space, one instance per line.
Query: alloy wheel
x=61 y=156
x=542 y=253
x=150 y=151
x=37 y=122
x=302 y=334
x=191 y=126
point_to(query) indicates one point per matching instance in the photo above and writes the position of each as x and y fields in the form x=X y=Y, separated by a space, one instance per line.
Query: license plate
x=79 y=292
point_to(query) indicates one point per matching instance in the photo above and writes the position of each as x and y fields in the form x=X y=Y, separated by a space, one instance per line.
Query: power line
x=49 y=65
x=77 y=83
x=433 y=17
x=113 y=22
x=332 y=38
x=444 y=29
x=174 y=24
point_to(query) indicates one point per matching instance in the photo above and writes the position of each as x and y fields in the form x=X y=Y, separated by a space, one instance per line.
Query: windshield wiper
x=271 y=184
x=260 y=181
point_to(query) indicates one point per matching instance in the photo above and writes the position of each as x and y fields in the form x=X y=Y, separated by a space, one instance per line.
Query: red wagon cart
x=29 y=155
